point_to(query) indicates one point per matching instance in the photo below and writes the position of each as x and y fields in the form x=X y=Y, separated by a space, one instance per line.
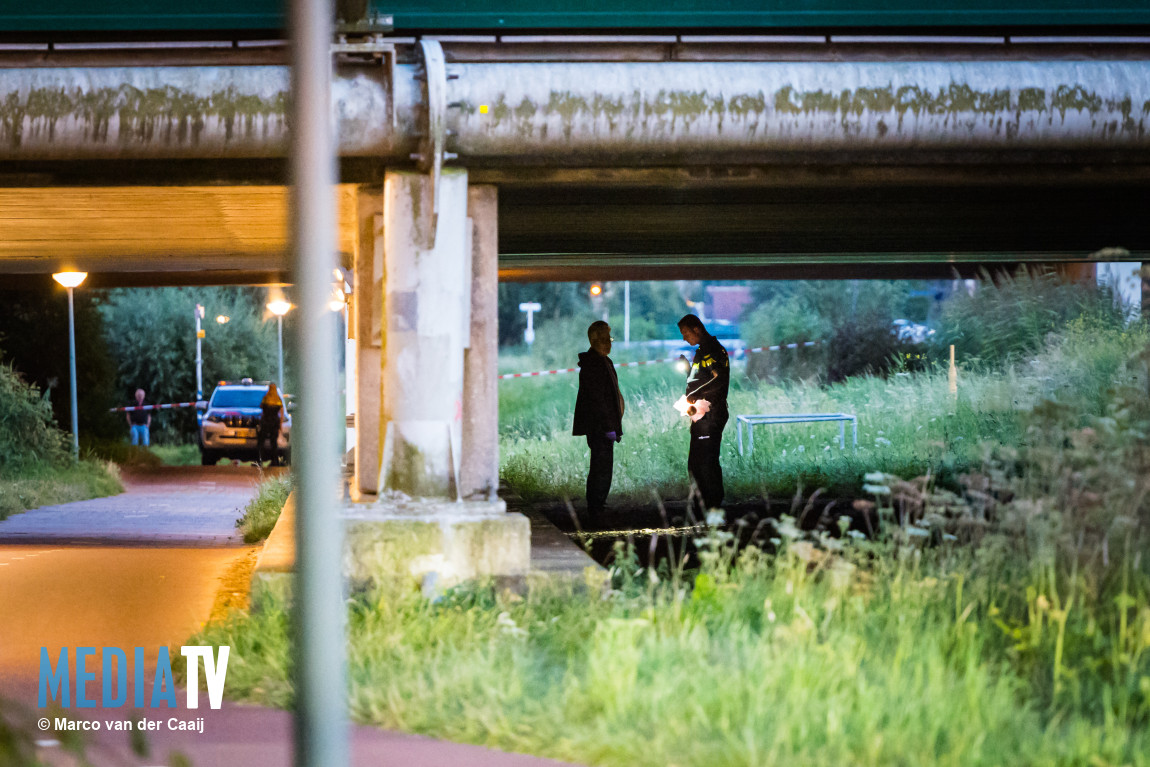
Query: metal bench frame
x=752 y=421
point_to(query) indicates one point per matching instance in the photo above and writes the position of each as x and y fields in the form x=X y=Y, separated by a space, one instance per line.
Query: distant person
x=139 y=422
x=271 y=416
x=598 y=414
x=708 y=379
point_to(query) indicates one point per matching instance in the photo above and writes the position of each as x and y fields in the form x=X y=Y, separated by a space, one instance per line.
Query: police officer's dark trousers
x=268 y=440
x=599 y=476
x=703 y=458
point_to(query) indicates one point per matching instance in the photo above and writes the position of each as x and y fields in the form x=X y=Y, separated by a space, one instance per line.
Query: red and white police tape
x=166 y=406
x=774 y=348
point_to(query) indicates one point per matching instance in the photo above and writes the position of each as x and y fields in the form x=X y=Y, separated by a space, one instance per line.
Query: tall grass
x=1011 y=316
x=774 y=661
x=1025 y=643
x=908 y=424
x=47 y=485
x=263 y=511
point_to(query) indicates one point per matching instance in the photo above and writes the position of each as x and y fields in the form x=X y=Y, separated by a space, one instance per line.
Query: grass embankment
x=36 y=468
x=261 y=513
x=137 y=456
x=1024 y=640
x=49 y=484
x=924 y=660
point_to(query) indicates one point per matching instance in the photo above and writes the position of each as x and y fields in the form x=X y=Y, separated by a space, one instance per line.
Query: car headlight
x=215 y=419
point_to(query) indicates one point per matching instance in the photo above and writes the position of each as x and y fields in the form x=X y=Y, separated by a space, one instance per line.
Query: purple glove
x=612 y=436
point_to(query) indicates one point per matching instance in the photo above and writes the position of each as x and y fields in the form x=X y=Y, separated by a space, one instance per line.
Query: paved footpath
x=173 y=506
x=141 y=570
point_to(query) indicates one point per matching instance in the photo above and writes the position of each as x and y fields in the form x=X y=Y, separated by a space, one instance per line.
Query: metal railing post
x=319 y=613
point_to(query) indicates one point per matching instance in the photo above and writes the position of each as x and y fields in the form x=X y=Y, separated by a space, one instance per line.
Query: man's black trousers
x=599 y=476
x=703 y=459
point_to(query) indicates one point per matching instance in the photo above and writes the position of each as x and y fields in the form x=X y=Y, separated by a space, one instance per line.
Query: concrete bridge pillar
x=435 y=514
x=479 y=470
x=366 y=320
x=426 y=312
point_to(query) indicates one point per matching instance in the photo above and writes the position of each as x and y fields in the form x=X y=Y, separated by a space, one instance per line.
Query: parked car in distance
x=229 y=425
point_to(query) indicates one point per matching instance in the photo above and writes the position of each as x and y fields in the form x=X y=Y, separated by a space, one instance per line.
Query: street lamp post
x=71 y=280
x=279 y=308
x=198 y=313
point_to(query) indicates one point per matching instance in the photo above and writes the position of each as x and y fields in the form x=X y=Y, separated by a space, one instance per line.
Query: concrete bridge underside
x=582 y=224
x=708 y=159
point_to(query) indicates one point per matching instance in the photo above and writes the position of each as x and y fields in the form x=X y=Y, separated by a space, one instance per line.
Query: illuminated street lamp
x=279 y=308
x=223 y=319
x=72 y=280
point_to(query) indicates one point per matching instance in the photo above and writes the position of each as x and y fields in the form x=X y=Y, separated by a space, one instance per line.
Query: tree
x=34 y=337
x=152 y=337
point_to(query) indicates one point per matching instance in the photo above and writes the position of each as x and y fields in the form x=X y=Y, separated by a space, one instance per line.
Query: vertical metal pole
x=281 y=347
x=72 y=377
x=627 y=313
x=318 y=606
x=199 y=357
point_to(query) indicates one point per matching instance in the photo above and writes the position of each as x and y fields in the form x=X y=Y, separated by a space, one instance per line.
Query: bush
x=786 y=320
x=852 y=320
x=1009 y=317
x=27 y=434
x=864 y=347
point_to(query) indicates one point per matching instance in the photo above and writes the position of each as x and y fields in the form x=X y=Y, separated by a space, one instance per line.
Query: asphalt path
x=168 y=506
x=142 y=569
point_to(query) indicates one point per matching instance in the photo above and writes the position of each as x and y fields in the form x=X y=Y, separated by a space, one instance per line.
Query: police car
x=229 y=426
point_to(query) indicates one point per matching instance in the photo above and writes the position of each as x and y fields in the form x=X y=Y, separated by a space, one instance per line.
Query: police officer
x=598 y=414
x=709 y=379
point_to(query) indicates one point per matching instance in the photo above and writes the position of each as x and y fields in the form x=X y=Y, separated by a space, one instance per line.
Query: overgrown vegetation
x=48 y=485
x=1001 y=616
x=27 y=435
x=1024 y=639
x=35 y=466
x=909 y=424
x=1010 y=317
x=261 y=513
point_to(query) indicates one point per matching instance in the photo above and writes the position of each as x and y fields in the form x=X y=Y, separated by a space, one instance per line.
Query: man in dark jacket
x=598 y=414
x=709 y=379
